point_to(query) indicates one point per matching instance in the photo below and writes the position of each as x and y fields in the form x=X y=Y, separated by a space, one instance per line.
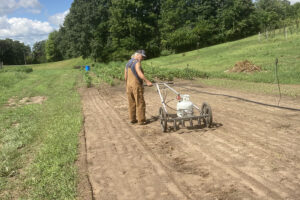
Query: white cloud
x=294 y=1
x=29 y=3
x=9 y=6
x=58 y=19
x=24 y=30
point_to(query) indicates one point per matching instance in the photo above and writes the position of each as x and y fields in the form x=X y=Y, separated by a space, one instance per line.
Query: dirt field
x=251 y=152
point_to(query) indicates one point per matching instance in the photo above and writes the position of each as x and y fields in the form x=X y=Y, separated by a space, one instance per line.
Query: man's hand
x=149 y=84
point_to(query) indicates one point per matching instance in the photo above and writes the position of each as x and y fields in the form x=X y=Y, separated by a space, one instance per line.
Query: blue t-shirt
x=131 y=63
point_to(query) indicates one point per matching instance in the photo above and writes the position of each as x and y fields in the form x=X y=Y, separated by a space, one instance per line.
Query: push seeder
x=185 y=110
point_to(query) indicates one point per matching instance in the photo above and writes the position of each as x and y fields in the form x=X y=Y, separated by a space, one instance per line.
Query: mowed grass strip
x=38 y=142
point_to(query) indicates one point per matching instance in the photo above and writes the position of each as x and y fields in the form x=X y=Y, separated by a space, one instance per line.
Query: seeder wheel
x=206 y=110
x=163 y=119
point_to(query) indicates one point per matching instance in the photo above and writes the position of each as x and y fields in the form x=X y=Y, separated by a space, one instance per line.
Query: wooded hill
x=108 y=30
x=112 y=29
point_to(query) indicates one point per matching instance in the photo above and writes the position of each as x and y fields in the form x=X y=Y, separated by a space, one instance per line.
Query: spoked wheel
x=163 y=119
x=207 y=112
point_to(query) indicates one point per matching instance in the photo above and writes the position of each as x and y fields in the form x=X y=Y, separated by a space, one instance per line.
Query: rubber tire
x=175 y=126
x=163 y=119
x=206 y=110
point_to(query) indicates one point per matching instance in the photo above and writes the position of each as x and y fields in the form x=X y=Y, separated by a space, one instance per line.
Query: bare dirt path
x=252 y=151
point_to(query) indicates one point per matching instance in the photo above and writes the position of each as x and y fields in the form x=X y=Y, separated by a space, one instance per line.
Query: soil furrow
x=252 y=152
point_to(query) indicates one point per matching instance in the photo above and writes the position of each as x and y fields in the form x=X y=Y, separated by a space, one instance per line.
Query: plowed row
x=251 y=152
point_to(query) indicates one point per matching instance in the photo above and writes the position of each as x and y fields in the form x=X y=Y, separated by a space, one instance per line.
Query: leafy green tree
x=295 y=10
x=52 y=51
x=79 y=25
x=108 y=30
x=39 y=52
x=173 y=15
x=14 y=52
x=99 y=49
x=271 y=13
x=237 y=19
x=132 y=26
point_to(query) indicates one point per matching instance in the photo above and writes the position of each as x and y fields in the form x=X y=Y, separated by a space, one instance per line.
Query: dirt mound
x=245 y=66
x=26 y=100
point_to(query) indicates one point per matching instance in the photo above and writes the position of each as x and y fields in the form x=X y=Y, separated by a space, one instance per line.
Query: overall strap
x=132 y=64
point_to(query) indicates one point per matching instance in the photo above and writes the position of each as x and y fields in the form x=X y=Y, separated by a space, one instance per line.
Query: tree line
x=107 y=30
x=13 y=52
x=17 y=53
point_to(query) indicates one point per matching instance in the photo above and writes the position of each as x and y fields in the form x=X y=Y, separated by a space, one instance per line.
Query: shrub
x=88 y=79
x=17 y=69
x=166 y=52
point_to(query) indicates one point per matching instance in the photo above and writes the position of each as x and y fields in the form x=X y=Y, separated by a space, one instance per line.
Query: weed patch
x=16 y=69
x=115 y=70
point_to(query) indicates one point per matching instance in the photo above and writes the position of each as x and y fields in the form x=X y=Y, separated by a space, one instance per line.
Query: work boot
x=143 y=123
x=133 y=121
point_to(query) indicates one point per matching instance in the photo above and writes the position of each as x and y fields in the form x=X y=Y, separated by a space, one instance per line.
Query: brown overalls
x=135 y=94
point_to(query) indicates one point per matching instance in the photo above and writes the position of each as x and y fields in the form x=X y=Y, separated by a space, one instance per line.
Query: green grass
x=217 y=59
x=38 y=142
x=253 y=87
x=212 y=62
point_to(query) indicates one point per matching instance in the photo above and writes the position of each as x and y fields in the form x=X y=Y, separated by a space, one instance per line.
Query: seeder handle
x=162 y=83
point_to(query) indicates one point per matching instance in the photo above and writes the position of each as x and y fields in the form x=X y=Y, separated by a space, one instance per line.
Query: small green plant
x=166 y=52
x=115 y=70
x=88 y=79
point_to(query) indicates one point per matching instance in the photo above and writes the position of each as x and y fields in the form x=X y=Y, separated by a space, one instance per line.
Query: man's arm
x=125 y=75
x=141 y=74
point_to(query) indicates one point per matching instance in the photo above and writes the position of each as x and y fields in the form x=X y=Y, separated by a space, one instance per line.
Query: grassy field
x=38 y=142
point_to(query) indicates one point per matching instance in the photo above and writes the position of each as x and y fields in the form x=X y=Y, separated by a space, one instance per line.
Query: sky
x=30 y=21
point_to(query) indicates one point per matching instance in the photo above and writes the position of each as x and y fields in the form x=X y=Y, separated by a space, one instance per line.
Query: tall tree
x=173 y=15
x=52 y=51
x=133 y=25
x=272 y=12
x=237 y=19
x=39 y=52
x=80 y=24
x=112 y=29
x=99 y=40
x=14 y=52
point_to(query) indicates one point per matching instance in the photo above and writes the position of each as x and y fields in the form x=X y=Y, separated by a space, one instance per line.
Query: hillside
x=217 y=59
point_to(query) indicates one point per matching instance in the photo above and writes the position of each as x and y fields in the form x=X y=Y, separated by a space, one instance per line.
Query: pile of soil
x=245 y=66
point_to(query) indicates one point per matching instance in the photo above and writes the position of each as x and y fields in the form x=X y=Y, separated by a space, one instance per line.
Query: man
x=134 y=77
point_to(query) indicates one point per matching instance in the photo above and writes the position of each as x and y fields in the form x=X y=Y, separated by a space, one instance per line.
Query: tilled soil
x=251 y=152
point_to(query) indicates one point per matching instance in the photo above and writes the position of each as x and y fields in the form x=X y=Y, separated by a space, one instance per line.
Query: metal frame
x=174 y=118
x=173 y=90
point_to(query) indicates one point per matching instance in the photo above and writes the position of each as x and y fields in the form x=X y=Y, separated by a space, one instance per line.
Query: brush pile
x=245 y=66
